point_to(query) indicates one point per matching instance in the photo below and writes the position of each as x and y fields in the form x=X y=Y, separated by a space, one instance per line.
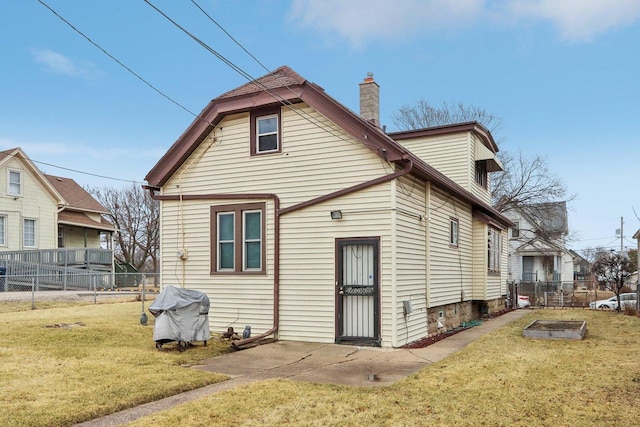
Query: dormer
x=465 y=152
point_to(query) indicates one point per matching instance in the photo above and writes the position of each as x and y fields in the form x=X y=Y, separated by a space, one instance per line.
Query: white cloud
x=363 y=21
x=579 y=20
x=60 y=64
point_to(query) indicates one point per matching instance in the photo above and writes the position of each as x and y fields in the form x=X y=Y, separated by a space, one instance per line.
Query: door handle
x=341 y=290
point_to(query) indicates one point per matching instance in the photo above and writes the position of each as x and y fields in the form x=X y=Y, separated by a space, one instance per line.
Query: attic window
x=14 y=186
x=266 y=131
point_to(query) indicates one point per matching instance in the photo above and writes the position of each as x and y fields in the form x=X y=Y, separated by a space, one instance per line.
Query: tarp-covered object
x=181 y=315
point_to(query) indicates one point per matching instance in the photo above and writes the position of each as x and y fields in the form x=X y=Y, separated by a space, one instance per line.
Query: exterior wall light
x=336 y=214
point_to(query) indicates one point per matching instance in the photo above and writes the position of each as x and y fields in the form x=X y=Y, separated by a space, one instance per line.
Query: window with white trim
x=453 y=231
x=515 y=231
x=493 y=250
x=265 y=131
x=267 y=134
x=14 y=182
x=29 y=233
x=238 y=236
x=3 y=230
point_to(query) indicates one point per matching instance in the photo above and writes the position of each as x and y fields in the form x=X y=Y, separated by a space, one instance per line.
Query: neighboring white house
x=42 y=212
x=308 y=222
x=537 y=244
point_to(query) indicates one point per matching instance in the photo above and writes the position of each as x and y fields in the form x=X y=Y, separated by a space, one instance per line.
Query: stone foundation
x=454 y=315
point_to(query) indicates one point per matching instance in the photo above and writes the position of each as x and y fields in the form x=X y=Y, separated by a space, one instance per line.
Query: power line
x=283 y=101
x=117 y=60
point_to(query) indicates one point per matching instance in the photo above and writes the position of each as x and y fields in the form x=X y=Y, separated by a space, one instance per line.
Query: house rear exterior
x=307 y=222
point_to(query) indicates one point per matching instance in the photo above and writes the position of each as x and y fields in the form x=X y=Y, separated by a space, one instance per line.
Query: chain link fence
x=91 y=286
x=561 y=294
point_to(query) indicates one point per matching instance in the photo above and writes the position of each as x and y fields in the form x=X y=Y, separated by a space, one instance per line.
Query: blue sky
x=563 y=75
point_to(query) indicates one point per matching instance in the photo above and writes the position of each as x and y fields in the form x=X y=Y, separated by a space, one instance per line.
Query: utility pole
x=620 y=231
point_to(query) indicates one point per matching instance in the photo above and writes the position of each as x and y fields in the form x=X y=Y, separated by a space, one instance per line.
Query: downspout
x=276 y=243
x=277 y=214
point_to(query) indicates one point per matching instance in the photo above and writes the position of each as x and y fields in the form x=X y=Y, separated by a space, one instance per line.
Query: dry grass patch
x=69 y=364
x=502 y=379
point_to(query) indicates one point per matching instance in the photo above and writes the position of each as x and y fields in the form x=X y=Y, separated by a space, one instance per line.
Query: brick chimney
x=370 y=100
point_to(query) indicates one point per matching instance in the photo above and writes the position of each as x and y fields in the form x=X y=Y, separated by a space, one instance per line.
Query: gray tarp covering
x=181 y=315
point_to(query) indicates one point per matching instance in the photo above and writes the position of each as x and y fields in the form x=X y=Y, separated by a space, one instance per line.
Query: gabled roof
x=284 y=86
x=539 y=244
x=77 y=198
x=17 y=153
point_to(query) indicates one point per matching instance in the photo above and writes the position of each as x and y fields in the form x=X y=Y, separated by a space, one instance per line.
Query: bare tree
x=525 y=180
x=612 y=271
x=136 y=218
x=424 y=115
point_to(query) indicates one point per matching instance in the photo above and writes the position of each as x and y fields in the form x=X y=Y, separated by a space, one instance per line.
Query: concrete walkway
x=322 y=363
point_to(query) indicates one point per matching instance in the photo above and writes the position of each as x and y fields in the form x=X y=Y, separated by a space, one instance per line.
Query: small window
x=481 y=173
x=453 y=232
x=493 y=250
x=3 y=230
x=237 y=236
x=267 y=136
x=14 y=183
x=61 y=237
x=29 y=233
x=265 y=131
x=515 y=231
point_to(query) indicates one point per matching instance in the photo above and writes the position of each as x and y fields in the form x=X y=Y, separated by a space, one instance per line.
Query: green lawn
x=105 y=361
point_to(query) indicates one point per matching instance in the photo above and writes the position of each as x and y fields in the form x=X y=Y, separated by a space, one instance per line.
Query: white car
x=523 y=301
x=627 y=300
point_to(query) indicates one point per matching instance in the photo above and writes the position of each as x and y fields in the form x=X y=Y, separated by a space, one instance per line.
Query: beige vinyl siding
x=480 y=192
x=236 y=300
x=479 y=260
x=449 y=154
x=410 y=260
x=314 y=162
x=78 y=237
x=450 y=267
x=35 y=203
x=308 y=261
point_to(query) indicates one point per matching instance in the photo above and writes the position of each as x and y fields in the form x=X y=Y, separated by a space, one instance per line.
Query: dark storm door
x=357 y=291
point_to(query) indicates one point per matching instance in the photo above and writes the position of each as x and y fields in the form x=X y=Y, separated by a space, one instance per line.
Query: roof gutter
x=277 y=214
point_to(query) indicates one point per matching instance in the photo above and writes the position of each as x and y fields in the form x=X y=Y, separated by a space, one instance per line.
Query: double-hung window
x=453 y=231
x=29 y=233
x=265 y=131
x=14 y=183
x=238 y=239
x=493 y=250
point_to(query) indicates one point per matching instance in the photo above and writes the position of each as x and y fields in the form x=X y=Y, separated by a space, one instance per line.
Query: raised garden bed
x=556 y=329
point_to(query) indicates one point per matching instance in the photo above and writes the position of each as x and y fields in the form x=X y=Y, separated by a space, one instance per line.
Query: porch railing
x=92 y=258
